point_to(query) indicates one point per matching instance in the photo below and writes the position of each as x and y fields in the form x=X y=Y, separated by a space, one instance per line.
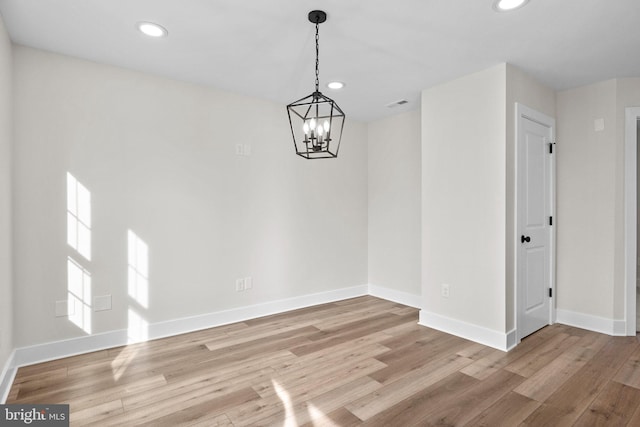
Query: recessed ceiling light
x=335 y=85
x=152 y=30
x=506 y=5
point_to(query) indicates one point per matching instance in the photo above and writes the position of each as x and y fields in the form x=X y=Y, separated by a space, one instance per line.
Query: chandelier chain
x=317 y=58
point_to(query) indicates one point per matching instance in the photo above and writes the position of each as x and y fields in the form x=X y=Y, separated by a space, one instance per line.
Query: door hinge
x=550 y=292
x=551 y=148
x=550 y=220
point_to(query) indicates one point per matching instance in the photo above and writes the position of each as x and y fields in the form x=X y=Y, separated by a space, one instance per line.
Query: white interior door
x=534 y=223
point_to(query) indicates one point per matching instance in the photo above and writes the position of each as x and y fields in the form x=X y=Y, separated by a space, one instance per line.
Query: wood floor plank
x=263 y=331
x=217 y=369
x=547 y=380
x=13 y=393
x=181 y=391
x=614 y=406
x=362 y=361
x=207 y=421
x=296 y=316
x=568 y=402
x=452 y=405
x=629 y=374
x=635 y=418
x=315 y=409
x=209 y=411
x=475 y=351
x=143 y=387
x=78 y=389
x=334 y=399
x=327 y=362
x=274 y=342
x=186 y=404
x=411 y=410
x=52 y=374
x=467 y=404
x=349 y=332
x=302 y=382
x=531 y=363
x=408 y=334
x=509 y=411
x=338 y=418
x=354 y=314
x=79 y=360
x=494 y=361
x=402 y=362
x=411 y=383
x=96 y=413
x=284 y=393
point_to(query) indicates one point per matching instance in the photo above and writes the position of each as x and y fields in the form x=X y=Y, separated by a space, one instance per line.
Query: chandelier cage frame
x=315 y=119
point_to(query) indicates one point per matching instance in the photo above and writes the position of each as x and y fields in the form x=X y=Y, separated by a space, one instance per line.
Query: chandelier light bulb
x=305 y=128
x=326 y=126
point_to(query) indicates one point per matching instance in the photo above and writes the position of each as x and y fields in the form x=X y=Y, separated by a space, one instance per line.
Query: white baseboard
x=489 y=337
x=591 y=323
x=7 y=377
x=59 y=349
x=400 y=297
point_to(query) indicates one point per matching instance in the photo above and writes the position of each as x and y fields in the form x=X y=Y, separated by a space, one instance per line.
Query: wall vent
x=396 y=103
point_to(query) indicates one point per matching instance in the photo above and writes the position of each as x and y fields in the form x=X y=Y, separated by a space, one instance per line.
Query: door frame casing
x=632 y=115
x=524 y=112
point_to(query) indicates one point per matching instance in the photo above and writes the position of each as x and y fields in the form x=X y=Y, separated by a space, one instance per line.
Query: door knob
x=525 y=239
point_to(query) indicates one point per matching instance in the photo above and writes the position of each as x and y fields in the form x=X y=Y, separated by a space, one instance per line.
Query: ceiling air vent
x=397 y=103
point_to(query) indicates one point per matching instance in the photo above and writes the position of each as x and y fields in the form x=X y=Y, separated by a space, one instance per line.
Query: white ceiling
x=383 y=50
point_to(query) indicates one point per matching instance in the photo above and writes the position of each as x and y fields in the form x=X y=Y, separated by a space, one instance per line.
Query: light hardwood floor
x=362 y=361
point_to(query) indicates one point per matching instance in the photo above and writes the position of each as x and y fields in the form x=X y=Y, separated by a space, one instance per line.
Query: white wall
x=158 y=157
x=464 y=199
x=586 y=191
x=6 y=286
x=394 y=202
x=591 y=278
x=627 y=95
x=468 y=200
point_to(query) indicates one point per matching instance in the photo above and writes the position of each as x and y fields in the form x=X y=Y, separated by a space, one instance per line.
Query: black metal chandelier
x=316 y=120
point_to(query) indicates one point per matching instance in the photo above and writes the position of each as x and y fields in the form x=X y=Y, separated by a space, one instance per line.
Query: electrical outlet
x=239 y=285
x=240 y=150
x=248 y=283
x=445 y=290
x=247 y=150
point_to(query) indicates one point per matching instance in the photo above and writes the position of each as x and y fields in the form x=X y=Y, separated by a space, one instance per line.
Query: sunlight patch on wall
x=79 y=238
x=138 y=330
x=138 y=269
x=78 y=217
x=79 y=295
